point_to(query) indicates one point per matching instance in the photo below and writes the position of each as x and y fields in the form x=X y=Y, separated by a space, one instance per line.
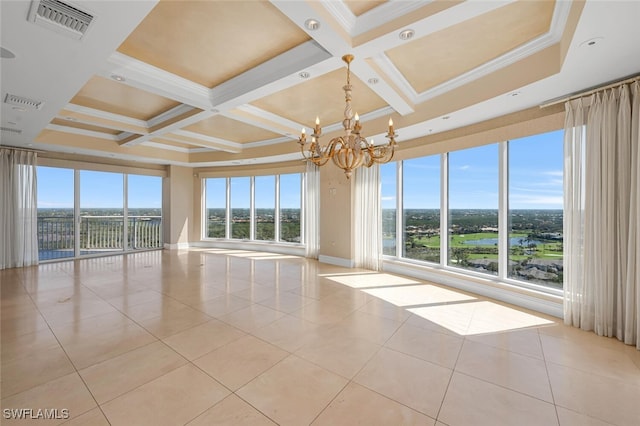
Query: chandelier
x=351 y=150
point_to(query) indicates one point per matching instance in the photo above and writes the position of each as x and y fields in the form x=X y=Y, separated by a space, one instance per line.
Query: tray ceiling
x=224 y=82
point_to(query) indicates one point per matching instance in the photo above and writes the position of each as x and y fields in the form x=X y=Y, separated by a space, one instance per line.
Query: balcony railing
x=56 y=235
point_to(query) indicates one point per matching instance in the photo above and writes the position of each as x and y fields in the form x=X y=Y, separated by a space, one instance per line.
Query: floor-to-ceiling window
x=421 y=208
x=144 y=212
x=290 y=207
x=535 y=209
x=260 y=208
x=388 y=201
x=87 y=212
x=101 y=212
x=473 y=209
x=265 y=202
x=240 y=211
x=499 y=206
x=216 y=207
x=56 y=224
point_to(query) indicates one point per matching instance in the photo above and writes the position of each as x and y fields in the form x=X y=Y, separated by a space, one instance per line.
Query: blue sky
x=97 y=189
x=535 y=182
x=265 y=192
x=535 y=176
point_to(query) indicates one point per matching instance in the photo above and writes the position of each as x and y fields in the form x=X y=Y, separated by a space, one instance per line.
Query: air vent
x=10 y=130
x=20 y=102
x=60 y=17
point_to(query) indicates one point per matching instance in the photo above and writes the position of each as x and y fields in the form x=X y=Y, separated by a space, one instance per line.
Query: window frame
x=252 y=211
x=503 y=226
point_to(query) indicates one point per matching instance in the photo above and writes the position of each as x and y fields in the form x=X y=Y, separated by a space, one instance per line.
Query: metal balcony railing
x=56 y=235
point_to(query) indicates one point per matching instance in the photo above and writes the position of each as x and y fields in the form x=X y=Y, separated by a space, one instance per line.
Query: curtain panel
x=312 y=211
x=18 y=209
x=367 y=218
x=602 y=213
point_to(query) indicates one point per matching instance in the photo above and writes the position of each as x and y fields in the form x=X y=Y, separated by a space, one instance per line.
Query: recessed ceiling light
x=406 y=34
x=71 y=118
x=446 y=117
x=29 y=144
x=304 y=74
x=117 y=77
x=312 y=24
x=373 y=81
x=6 y=53
x=592 y=41
x=514 y=94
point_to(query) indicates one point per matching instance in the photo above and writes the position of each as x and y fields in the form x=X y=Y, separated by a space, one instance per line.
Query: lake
x=513 y=241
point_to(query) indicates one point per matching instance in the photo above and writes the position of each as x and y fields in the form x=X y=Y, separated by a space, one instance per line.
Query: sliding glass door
x=144 y=212
x=56 y=225
x=83 y=212
x=101 y=212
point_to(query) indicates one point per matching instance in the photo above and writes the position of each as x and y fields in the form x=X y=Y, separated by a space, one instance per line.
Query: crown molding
x=553 y=36
x=83 y=132
x=207 y=141
x=106 y=115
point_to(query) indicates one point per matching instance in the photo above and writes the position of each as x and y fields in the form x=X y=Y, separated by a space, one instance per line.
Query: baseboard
x=267 y=246
x=177 y=246
x=544 y=303
x=338 y=261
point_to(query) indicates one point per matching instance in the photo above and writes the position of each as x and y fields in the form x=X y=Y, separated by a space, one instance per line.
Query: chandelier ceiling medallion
x=350 y=150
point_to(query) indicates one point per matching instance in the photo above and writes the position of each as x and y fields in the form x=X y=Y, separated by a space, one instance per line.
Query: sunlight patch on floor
x=420 y=294
x=480 y=317
x=368 y=280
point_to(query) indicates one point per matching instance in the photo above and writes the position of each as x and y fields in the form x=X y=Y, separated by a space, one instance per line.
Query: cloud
x=465 y=167
x=391 y=198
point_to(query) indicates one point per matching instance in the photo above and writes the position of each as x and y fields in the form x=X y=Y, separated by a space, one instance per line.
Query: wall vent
x=22 y=102
x=10 y=130
x=60 y=17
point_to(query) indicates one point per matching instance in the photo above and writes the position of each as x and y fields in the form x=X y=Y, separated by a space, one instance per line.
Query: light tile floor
x=207 y=337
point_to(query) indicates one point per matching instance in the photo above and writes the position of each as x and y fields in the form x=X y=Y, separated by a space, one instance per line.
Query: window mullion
x=399 y=212
x=503 y=209
x=444 y=209
x=252 y=208
x=276 y=228
x=227 y=219
x=125 y=212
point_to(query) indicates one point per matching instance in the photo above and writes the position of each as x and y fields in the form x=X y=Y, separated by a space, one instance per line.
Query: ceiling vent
x=10 y=130
x=60 y=17
x=21 y=102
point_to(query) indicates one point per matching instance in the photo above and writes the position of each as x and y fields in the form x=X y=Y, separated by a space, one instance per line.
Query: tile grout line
x=77 y=372
x=453 y=371
x=546 y=368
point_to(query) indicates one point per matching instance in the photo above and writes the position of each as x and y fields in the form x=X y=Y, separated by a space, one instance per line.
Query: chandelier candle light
x=350 y=150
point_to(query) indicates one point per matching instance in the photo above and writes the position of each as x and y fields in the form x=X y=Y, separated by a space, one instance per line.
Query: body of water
x=513 y=241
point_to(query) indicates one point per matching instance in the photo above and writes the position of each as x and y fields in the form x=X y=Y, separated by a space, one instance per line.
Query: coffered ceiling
x=214 y=83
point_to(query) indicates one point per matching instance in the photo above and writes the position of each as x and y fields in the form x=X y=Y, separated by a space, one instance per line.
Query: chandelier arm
x=351 y=150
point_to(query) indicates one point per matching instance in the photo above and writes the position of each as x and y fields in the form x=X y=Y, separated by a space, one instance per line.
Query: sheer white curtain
x=18 y=209
x=367 y=223
x=602 y=213
x=312 y=211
